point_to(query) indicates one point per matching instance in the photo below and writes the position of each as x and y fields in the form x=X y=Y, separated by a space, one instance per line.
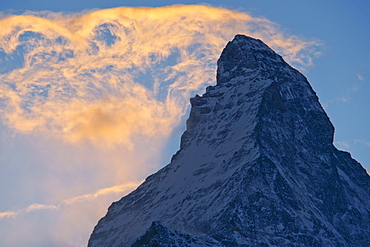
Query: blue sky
x=48 y=177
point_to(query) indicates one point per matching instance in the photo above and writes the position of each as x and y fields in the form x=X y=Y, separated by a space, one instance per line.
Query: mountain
x=256 y=167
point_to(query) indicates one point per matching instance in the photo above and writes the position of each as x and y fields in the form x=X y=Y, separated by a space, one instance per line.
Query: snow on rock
x=256 y=167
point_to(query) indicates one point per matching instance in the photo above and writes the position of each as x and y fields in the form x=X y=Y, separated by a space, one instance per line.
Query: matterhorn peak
x=256 y=167
x=244 y=53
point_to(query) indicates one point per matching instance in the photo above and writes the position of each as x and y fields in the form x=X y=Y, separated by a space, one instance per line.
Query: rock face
x=256 y=167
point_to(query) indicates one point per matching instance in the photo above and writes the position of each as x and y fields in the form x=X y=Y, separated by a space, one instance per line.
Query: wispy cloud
x=118 y=189
x=347 y=144
x=360 y=77
x=37 y=206
x=363 y=142
x=102 y=192
x=346 y=98
x=7 y=214
x=109 y=75
x=68 y=223
x=342 y=144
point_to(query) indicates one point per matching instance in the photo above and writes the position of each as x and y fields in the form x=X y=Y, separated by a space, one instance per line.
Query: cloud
x=67 y=224
x=102 y=192
x=36 y=206
x=346 y=98
x=342 y=144
x=107 y=76
x=366 y=143
x=360 y=77
x=117 y=189
x=116 y=121
x=347 y=145
x=7 y=214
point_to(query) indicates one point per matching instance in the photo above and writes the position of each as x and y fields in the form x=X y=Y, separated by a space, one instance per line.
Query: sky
x=94 y=94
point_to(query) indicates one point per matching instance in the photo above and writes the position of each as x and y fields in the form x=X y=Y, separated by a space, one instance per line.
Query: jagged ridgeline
x=256 y=167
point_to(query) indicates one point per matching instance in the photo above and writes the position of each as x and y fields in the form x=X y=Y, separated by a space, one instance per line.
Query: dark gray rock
x=159 y=235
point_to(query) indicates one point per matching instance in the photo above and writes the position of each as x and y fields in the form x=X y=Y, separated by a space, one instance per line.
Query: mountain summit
x=256 y=167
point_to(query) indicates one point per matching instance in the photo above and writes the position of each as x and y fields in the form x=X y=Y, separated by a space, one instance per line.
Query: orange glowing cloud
x=37 y=206
x=117 y=189
x=7 y=214
x=67 y=224
x=110 y=75
x=102 y=192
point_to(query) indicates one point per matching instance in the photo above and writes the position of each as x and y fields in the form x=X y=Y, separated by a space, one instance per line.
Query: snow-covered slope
x=256 y=167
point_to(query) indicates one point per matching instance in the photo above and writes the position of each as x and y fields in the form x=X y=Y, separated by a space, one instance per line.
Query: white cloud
x=360 y=77
x=342 y=144
x=363 y=142
x=346 y=98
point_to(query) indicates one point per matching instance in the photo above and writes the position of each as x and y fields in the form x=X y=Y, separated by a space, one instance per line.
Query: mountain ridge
x=256 y=166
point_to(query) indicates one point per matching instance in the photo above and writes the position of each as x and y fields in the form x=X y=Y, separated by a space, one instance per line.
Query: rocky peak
x=245 y=56
x=256 y=167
